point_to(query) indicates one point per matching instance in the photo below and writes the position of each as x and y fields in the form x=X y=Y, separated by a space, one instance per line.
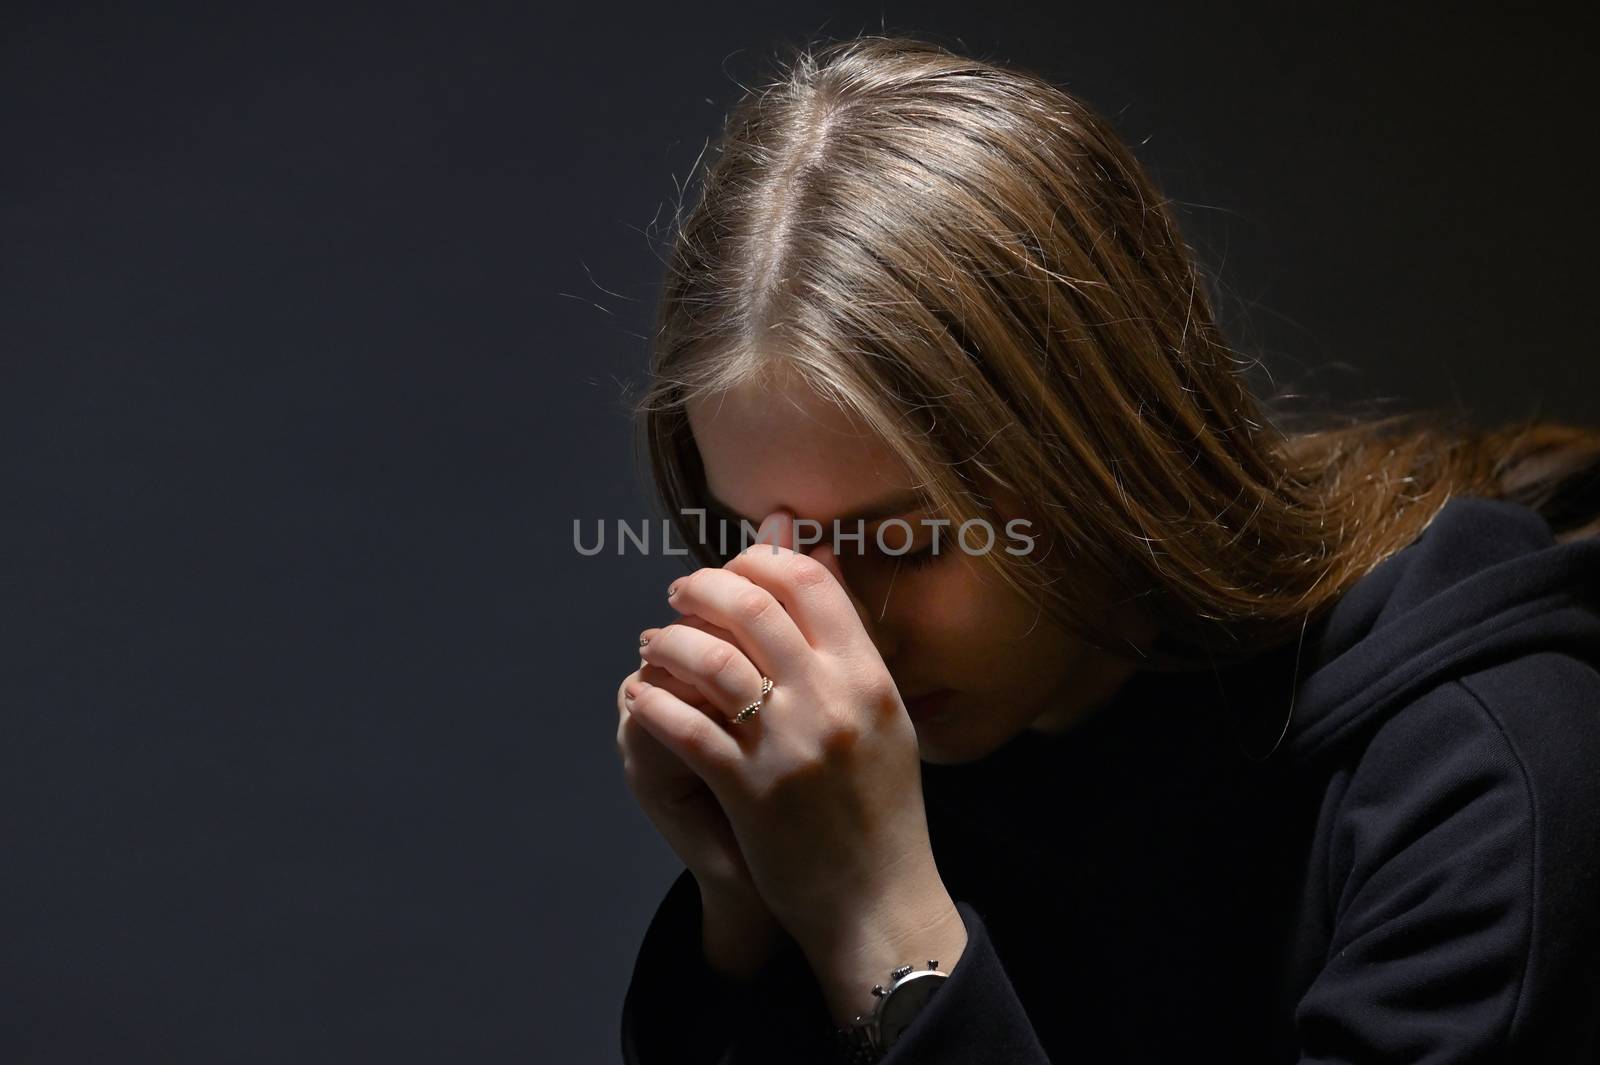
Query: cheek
x=978 y=617
x=982 y=601
x=954 y=608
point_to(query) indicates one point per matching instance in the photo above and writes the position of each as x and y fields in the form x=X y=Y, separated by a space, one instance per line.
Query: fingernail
x=672 y=591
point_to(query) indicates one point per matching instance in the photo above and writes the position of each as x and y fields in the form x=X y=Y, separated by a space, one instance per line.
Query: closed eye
x=916 y=559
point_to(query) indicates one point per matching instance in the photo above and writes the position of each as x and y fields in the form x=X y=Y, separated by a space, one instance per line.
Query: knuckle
x=839 y=735
x=752 y=603
x=803 y=571
x=697 y=738
x=716 y=661
x=884 y=700
x=794 y=776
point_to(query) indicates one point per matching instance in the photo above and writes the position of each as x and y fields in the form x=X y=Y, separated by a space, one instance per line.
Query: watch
x=869 y=1037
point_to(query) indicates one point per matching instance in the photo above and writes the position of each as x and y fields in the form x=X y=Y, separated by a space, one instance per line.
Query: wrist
x=866 y=953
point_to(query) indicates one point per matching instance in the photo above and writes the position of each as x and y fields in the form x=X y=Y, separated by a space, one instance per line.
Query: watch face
x=905 y=1002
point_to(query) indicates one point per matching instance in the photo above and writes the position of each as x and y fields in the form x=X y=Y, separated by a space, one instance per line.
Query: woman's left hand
x=823 y=786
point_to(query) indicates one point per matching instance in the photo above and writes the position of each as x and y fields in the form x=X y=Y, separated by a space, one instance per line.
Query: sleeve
x=680 y=1011
x=1448 y=901
x=975 y=1017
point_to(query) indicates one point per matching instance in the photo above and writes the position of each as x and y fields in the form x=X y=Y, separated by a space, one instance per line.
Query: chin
x=934 y=755
x=938 y=743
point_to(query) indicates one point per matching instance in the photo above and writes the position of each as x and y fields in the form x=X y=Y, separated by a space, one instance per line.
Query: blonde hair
x=970 y=261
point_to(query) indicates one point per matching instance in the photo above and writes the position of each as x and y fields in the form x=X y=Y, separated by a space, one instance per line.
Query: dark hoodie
x=1412 y=876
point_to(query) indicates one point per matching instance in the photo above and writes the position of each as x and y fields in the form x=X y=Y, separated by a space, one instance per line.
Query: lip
x=927 y=705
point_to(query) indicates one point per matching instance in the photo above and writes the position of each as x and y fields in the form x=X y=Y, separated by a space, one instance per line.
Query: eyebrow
x=887 y=507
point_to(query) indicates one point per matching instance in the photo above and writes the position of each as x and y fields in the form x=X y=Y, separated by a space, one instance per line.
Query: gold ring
x=754 y=708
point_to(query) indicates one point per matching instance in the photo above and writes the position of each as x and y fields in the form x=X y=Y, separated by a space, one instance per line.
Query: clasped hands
x=819 y=807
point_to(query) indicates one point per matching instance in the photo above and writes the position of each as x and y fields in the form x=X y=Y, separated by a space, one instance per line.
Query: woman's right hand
x=739 y=933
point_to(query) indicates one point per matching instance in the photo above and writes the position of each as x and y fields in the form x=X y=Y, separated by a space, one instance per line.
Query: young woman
x=1235 y=744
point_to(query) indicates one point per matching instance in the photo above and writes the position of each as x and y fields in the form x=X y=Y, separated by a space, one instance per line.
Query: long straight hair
x=971 y=262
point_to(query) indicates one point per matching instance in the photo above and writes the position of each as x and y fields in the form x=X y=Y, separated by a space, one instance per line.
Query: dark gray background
x=314 y=324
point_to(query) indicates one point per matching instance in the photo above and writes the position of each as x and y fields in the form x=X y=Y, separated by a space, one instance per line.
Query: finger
x=694 y=621
x=646 y=759
x=636 y=743
x=759 y=622
x=661 y=678
x=829 y=558
x=650 y=673
x=711 y=664
x=704 y=744
x=813 y=594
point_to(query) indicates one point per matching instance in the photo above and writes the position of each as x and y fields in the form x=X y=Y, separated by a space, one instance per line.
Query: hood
x=1484 y=583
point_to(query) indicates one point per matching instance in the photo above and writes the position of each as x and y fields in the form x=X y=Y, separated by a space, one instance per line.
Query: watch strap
x=856 y=1045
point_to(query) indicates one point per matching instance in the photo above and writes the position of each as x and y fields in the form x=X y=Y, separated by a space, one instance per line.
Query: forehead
x=766 y=447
